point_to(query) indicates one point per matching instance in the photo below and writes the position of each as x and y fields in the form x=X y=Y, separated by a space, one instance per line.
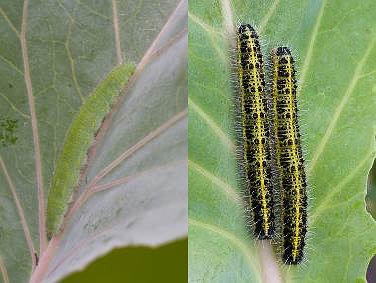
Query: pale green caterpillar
x=77 y=142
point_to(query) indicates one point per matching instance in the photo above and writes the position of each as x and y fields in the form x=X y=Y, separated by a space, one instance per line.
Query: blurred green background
x=168 y=263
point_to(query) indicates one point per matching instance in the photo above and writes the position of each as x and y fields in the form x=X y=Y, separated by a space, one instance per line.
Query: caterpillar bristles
x=289 y=157
x=255 y=150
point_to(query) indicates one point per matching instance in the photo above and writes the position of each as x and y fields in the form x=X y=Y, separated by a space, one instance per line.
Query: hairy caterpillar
x=78 y=141
x=289 y=156
x=255 y=139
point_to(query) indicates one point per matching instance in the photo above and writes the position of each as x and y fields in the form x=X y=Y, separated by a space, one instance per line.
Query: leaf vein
x=35 y=132
x=72 y=64
x=124 y=180
x=335 y=117
x=226 y=188
x=150 y=52
x=116 y=32
x=116 y=162
x=327 y=201
x=4 y=271
x=91 y=10
x=145 y=140
x=203 y=25
x=21 y=213
x=237 y=242
x=268 y=15
x=210 y=122
x=13 y=106
x=210 y=35
x=9 y=22
x=309 y=53
x=10 y=63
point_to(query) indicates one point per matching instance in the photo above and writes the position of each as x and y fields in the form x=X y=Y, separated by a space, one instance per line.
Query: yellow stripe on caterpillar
x=289 y=156
x=255 y=134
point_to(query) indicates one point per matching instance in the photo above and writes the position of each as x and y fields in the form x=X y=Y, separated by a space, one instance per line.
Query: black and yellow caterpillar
x=289 y=157
x=255 y=134
x=271 y=150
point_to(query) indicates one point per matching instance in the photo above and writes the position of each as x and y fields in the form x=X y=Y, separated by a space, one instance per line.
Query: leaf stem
x=270 y=271
x=45 y=260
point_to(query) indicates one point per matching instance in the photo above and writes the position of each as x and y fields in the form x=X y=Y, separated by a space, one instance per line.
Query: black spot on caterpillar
x=289 y=156
x=255 y=133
